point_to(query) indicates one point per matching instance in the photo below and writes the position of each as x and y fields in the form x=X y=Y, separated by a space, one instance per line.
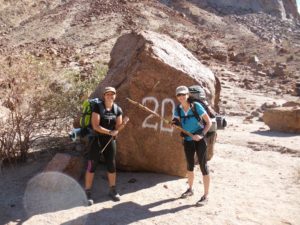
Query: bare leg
x=206 y=181
x=89 y=178
x=111 y=179
x=203 y=199
x=112 y=186
x=190 y=179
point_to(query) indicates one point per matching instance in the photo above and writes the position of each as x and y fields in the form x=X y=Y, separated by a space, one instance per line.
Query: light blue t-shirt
x=188 y=121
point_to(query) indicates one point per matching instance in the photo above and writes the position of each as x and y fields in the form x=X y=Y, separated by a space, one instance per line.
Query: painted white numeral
x=164 y=102
x=145 y=123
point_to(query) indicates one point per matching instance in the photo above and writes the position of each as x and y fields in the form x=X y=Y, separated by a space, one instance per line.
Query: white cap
x=182 y=90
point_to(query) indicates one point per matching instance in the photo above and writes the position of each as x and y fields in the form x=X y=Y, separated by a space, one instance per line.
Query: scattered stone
x=253 y=60
x=267 y=105
x=261 y=73
x=291 y=104
x=66 y=163
x=255 y=113
x=132 y=180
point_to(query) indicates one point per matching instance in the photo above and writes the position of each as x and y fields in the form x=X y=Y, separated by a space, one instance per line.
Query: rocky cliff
x=284 y=9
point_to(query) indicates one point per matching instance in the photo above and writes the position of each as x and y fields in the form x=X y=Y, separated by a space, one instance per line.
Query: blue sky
x=298 y=5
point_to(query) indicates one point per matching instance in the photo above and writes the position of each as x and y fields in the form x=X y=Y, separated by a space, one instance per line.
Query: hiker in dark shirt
x=106 y=122
x=195 y=144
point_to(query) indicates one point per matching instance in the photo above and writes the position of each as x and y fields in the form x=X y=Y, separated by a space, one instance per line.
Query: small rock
x=132 y=180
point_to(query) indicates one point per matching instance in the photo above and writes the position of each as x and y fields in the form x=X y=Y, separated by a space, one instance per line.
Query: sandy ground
x=248 y=186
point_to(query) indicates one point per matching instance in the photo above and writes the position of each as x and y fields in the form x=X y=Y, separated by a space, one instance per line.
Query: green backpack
x=86 y=115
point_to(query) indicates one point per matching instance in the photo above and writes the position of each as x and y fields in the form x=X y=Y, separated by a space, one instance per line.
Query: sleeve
x=119 y=111
x=199 y=108
x=95 y=108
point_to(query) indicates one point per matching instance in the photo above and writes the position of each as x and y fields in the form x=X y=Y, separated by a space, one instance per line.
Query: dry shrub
x=40 y=103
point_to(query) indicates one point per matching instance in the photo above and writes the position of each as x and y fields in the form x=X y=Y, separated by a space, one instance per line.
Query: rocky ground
x=255 y=171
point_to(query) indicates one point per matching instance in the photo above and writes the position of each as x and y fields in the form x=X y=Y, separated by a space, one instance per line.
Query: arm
x=121 y=124
x=205 y=117
x=119 y=121
x=95 y=124
x=208 y=121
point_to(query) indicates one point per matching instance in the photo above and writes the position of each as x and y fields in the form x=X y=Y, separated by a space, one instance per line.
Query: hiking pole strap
x=158 y=116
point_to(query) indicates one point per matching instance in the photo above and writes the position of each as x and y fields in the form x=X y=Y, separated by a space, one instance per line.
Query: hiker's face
x=109 y=96
x=182 y=97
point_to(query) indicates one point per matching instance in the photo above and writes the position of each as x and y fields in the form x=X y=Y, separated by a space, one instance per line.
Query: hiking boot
x=89 y=197
x=114 y=194
x=189 y=192
x=203 y=200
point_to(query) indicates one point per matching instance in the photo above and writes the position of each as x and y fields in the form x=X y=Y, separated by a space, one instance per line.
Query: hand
x=197 y=137
x=175 y=122
x=114 y=133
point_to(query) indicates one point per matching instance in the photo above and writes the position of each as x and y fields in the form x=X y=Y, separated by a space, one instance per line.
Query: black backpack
x=198 y=94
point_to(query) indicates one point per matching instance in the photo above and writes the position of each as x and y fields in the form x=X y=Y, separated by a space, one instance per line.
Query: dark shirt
x=107 y=117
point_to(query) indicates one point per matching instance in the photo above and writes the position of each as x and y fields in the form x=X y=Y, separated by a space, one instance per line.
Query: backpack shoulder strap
x=115 y=108
x=211 y=113
x=178 y=111
x=196 y=114
x=101 y=106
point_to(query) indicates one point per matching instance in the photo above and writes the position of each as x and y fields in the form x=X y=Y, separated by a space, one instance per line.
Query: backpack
x=197 y=94
x=86 y=115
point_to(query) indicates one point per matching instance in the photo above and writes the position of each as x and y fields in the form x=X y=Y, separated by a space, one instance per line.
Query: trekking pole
x=106 y=145
x=160 y=117
x=126 y=119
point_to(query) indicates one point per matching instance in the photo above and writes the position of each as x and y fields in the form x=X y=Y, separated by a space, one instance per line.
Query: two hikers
x=106 y=122
x=185 y=117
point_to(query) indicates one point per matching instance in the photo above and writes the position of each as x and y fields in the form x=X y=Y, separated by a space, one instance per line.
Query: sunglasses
x=180 y=95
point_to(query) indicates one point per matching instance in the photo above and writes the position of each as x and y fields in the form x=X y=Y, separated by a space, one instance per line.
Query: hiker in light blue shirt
x=185 y=117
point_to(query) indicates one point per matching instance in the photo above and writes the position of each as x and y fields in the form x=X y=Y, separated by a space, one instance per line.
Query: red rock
x=66 y=163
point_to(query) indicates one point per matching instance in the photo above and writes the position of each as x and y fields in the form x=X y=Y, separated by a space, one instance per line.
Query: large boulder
x=285 y=119
x=147 y=67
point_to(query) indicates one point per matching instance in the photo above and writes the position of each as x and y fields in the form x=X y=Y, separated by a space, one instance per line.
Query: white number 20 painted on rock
x=154 y=125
